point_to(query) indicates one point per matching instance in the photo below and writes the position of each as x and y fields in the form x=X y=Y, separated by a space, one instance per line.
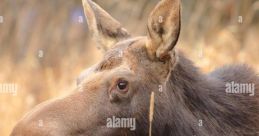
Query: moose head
x=119 y=87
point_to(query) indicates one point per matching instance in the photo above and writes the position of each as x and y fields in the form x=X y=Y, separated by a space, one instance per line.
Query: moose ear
x=104 y=28
x=164 y=24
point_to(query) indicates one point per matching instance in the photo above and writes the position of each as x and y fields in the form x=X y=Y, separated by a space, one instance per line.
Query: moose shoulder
x=113 y=96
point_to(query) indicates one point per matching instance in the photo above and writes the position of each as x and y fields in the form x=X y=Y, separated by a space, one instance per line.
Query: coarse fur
x=194 y=97
x=186 y=101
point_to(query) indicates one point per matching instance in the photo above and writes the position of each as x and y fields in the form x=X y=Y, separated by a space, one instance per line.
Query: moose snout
x=60 y=117
x=32 y=128
x=39 y=123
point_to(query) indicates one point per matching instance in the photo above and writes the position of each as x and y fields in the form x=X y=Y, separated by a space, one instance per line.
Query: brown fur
x=147 y=64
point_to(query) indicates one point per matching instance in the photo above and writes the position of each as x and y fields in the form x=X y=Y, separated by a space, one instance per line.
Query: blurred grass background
x=44 y=45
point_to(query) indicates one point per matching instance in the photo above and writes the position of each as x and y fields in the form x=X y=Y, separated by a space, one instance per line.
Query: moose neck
x=194 y=100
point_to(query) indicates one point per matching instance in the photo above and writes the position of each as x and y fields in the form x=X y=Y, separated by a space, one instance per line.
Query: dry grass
x=211 y=37
x=151 y=111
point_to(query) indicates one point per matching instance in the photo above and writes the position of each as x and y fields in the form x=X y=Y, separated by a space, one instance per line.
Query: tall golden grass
x=44 y=44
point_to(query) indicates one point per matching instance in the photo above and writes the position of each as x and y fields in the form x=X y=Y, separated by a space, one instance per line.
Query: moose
x=186 y=101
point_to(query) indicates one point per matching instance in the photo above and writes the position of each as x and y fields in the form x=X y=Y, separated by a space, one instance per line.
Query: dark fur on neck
x=191 y=96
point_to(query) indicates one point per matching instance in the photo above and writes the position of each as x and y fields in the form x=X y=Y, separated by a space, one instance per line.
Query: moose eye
x=122 y=85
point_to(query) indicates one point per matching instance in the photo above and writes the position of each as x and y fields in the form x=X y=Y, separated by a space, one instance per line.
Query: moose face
x=122 y=83
x=119 y=86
